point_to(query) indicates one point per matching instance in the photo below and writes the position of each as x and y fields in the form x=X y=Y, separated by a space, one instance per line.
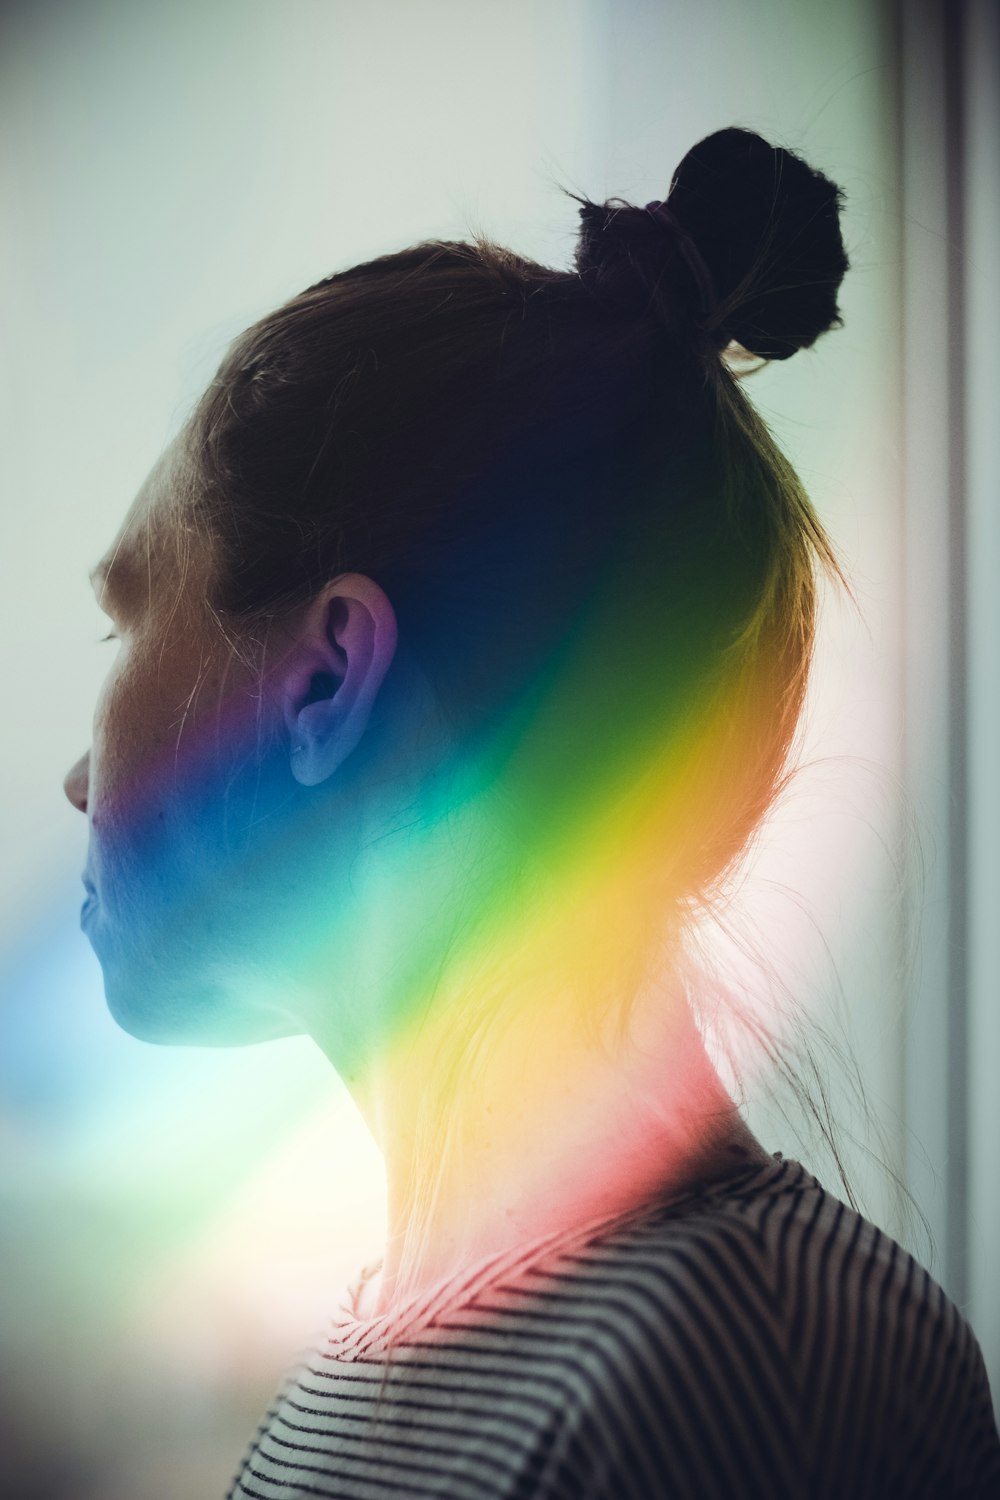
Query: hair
x=596 y=553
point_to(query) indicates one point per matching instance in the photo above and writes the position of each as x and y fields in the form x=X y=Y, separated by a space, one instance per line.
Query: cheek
x=115 y=744
x=126 y=760
x=204 y=919
x=183 y=794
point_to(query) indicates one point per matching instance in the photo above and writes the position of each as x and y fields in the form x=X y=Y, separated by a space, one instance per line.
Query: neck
x=553 y=1131
x=478 y=1032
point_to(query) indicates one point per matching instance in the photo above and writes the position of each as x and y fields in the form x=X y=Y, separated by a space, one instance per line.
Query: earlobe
x=344 y=645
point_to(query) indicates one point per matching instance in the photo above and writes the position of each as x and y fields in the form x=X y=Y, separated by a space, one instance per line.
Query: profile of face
x=300 y=823
x=220 y=789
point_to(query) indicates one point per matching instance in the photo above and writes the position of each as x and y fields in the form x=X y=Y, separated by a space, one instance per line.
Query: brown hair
x=535 y=462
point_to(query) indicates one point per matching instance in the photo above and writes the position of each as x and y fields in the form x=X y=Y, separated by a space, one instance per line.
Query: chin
x=192 y=1015
x=170 y=1000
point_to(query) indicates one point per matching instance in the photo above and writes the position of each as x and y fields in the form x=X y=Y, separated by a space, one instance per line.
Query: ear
x=342 y=648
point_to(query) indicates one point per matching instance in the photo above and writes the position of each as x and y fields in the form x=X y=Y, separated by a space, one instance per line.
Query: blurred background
x=175 y=1225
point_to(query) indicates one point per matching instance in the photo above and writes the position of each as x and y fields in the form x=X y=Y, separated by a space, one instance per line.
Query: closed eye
x=112 y=635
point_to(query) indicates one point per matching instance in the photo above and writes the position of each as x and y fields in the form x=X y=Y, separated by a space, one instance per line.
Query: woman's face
x=184 y=788
x=238 y=873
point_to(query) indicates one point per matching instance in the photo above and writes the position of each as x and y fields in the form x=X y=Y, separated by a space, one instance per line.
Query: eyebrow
x=107 y=580
x=100 y=575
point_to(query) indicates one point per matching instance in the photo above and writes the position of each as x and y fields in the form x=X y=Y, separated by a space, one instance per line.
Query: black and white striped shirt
x=755 y=1338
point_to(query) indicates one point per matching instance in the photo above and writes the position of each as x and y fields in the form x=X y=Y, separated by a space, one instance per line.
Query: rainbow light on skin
x=575 y=875
x=454 y=930
x=542 y=975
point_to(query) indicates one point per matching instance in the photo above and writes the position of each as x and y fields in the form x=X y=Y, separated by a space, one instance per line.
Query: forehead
x=157 y=541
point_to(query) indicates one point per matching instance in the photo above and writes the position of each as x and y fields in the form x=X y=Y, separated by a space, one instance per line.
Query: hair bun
x=748 y=241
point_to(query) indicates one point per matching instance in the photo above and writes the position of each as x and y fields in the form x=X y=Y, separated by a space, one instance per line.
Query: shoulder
x=769 y=1340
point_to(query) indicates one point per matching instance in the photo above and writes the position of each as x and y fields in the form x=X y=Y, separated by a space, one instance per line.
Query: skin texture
x=194 y=749
x=257 y=868
x=151 y=766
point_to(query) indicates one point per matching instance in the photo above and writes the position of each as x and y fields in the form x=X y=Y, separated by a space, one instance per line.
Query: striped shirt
x=752 y=1338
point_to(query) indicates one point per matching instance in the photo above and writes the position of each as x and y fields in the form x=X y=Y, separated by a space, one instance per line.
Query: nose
x=75 y=784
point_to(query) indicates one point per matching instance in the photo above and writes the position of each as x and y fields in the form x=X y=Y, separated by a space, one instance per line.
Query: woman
x=465 y=631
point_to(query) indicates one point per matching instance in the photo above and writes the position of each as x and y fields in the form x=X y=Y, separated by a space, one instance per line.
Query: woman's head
x=478 y=610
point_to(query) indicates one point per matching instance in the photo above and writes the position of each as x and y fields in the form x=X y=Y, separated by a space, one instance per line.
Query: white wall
x=949 y=83
x=981 y=364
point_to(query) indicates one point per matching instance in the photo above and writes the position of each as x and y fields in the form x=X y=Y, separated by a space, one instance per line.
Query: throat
x=542 y=1140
